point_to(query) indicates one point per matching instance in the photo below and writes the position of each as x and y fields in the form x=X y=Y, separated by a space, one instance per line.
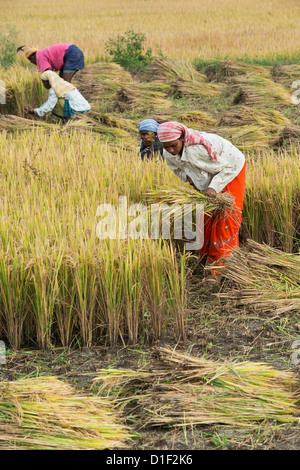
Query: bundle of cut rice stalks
x=255 y=89
x=140 y=98
x=286 y=74
x=181 y=390
x=223 y=71
x=46 y=413
x=286 y=135
x=185 y=196
x=197 y=118
x=271 y=120
x=163 y=69
x=12 y=123
x=102 y=80
x=184 y=87
x=263 y=278
x=246 y=137
x=86 y=123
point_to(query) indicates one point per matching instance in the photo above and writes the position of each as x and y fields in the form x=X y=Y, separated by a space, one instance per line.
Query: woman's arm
x=48 y=106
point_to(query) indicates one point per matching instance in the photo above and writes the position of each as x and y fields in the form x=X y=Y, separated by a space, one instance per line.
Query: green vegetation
x=129 y=51
x=8 y=47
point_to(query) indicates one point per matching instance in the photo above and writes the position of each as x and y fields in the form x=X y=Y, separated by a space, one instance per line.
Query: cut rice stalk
x=46 y=413
x=183 y=390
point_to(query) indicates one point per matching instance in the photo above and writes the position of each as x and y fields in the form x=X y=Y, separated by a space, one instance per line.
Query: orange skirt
x=221 y=231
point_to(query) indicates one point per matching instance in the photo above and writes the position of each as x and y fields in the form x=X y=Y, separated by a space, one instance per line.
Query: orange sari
x=221 y=231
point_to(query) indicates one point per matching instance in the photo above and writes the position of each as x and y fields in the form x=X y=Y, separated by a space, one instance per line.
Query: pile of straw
x=100 y=81
x=286 y=74
x=225 y=70
x=264 y=278
x=183 y=390
x=167 y=70
x=247 y=137
x=111 y=128
x=271 y=120
x=196 y=118
x=44 y=413
x=259 y=90
x=184 y=87
x=140 y=98
x=286 y=135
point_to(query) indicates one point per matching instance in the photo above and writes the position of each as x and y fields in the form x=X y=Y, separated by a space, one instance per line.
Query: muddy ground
x=217 y=332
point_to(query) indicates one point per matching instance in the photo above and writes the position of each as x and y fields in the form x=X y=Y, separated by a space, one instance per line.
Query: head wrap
x=28 y=50
x=60 y=86
x=172 y=130
x=148 y=125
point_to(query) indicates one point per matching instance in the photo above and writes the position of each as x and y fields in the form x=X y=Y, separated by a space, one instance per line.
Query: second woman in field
x=64 y=100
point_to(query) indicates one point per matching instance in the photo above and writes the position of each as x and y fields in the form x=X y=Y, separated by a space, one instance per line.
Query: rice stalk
x=183 y=390
x=168 y=70
x=226 y=70
x=198 y=118
x=188 y=196
x=248 y=137
x=255 y=89
x=45 y=413
x=272 y=120
x=263 y=277
x=183 y=87
x=22 y=87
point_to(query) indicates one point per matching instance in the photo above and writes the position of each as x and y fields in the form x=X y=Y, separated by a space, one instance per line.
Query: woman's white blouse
x=77 y=102
x=204 y=171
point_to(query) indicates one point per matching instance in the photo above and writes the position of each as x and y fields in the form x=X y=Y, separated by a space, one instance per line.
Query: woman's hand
x=191 y=182
x=210 y=192
x=28 y=110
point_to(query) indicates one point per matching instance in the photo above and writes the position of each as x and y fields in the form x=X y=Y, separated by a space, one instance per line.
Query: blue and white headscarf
x=148 y=125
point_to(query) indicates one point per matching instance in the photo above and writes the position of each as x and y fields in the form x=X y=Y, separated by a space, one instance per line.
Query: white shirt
x=205 y=172
x=77 y=102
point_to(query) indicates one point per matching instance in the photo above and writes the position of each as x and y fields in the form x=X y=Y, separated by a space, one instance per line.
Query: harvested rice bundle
x=46 y=413
x=163 y=69
x=183 y=87
x=246 y=137
x=223 y=71
x=199 y=118
x=87 y=123
x=12 y=123
x=112 y=121
x=101 y=81
x=182 y=390
x=245 y=115
x=263 y=277
x=286 y=135
x=140 y=99
x=256 y=89
x=177 y=196
x=286 y=74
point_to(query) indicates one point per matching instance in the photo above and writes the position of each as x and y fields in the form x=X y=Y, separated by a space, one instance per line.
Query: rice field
x=224 y=67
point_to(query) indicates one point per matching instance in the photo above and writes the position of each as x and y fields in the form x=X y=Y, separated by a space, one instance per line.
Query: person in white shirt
x=211 y=164
x=64 y=99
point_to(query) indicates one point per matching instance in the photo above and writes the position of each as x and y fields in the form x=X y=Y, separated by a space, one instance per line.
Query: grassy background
x=186 y=30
